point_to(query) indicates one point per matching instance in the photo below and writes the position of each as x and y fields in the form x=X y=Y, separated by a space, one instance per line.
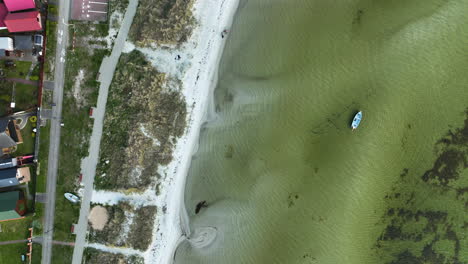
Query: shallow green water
x=287 y=181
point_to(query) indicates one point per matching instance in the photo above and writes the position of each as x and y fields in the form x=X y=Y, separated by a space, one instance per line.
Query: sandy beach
x=196 y=67
x=200 y=58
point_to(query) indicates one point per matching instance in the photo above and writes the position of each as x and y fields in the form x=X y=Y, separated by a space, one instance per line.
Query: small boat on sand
x=72 y=198
x=356 y=120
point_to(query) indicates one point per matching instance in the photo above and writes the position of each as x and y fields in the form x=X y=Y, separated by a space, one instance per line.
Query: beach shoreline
x=201 y=56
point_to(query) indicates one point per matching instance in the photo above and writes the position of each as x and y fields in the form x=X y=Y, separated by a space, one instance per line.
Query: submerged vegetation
x=162 y=21
x=145 y=115
x=427 y=224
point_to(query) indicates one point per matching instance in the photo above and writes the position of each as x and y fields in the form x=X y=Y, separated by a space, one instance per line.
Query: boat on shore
x=72 y=198
x=356 y=120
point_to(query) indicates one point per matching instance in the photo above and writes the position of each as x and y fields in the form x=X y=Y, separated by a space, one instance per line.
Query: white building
x=6 y=43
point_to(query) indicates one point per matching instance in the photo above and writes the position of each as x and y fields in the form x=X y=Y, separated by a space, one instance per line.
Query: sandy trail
x=197 y=68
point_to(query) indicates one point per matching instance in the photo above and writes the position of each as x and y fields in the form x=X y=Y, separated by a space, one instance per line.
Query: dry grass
x=162 y=21
x=92 y=255
x=136 y=233
x=143 y=121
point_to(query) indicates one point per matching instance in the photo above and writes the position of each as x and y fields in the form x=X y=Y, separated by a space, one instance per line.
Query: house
x=23 y=21
x=8 y=163
x=14 y=176
x=12 y=205
x=17 y=5
x=10 y=135
x=3 y=13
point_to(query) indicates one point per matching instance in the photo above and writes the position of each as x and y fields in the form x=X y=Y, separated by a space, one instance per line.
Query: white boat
x=356 y=120
x=72 y=198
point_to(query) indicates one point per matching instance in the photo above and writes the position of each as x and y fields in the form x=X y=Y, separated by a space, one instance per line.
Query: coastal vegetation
x=92 y=255
x=162 y=21
x=126 y=226
x=144 y=117
x=80 y=94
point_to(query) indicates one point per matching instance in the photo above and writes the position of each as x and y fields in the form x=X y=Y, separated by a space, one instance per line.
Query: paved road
x=62 y=39
x=13 y=242
x=23 y=81
x=88 y=165
x=40 y=240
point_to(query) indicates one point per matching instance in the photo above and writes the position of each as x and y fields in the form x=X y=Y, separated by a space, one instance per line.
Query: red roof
x=24 y=21
x=3 y=13
x=16 y=5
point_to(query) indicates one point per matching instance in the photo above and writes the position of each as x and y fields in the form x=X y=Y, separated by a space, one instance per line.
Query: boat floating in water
x=356 y=120
x=72 y=198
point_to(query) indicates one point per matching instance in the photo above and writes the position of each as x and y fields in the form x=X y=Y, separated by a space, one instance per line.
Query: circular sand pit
x=98 y=217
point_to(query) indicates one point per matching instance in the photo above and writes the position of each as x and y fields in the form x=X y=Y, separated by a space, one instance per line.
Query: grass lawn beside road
x=11 y=254
x=43 y=158
x=36 y=254
x=15 y=229
x=62 y=254
x=51 y=31
x=74 y=141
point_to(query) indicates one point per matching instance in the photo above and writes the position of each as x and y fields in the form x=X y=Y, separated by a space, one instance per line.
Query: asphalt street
x=62 y=41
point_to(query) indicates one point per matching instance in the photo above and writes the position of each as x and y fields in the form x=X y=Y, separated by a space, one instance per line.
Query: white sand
x=197 y=69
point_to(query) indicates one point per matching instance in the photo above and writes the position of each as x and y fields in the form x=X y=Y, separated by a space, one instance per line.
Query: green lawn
x=11 y=254
x=43 y=158
x=26 y=96
x=62 y=254
x=52 y=9
x=74 y=142
x=51 y=31
x=27 y=147
x=15 y=229
x=36 y=253
x=38 y=216
x=20 y=71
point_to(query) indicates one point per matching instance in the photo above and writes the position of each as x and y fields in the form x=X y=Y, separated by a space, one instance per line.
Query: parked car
x=38 y=40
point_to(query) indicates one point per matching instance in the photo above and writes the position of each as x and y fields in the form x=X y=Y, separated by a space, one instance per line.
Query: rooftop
x=17 y=5
x=11 y=207
x=8 y=178
x=3 y=13
x=23 y=21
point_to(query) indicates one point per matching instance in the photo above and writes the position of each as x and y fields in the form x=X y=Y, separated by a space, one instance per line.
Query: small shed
x=6 y=43
x=11 y=205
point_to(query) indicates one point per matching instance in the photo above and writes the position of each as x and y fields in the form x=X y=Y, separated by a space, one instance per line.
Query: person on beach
x=224 y=33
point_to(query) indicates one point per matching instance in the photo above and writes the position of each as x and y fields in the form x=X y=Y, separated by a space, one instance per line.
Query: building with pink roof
x=3 y=13
x=23 y=21
x=17 y=5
